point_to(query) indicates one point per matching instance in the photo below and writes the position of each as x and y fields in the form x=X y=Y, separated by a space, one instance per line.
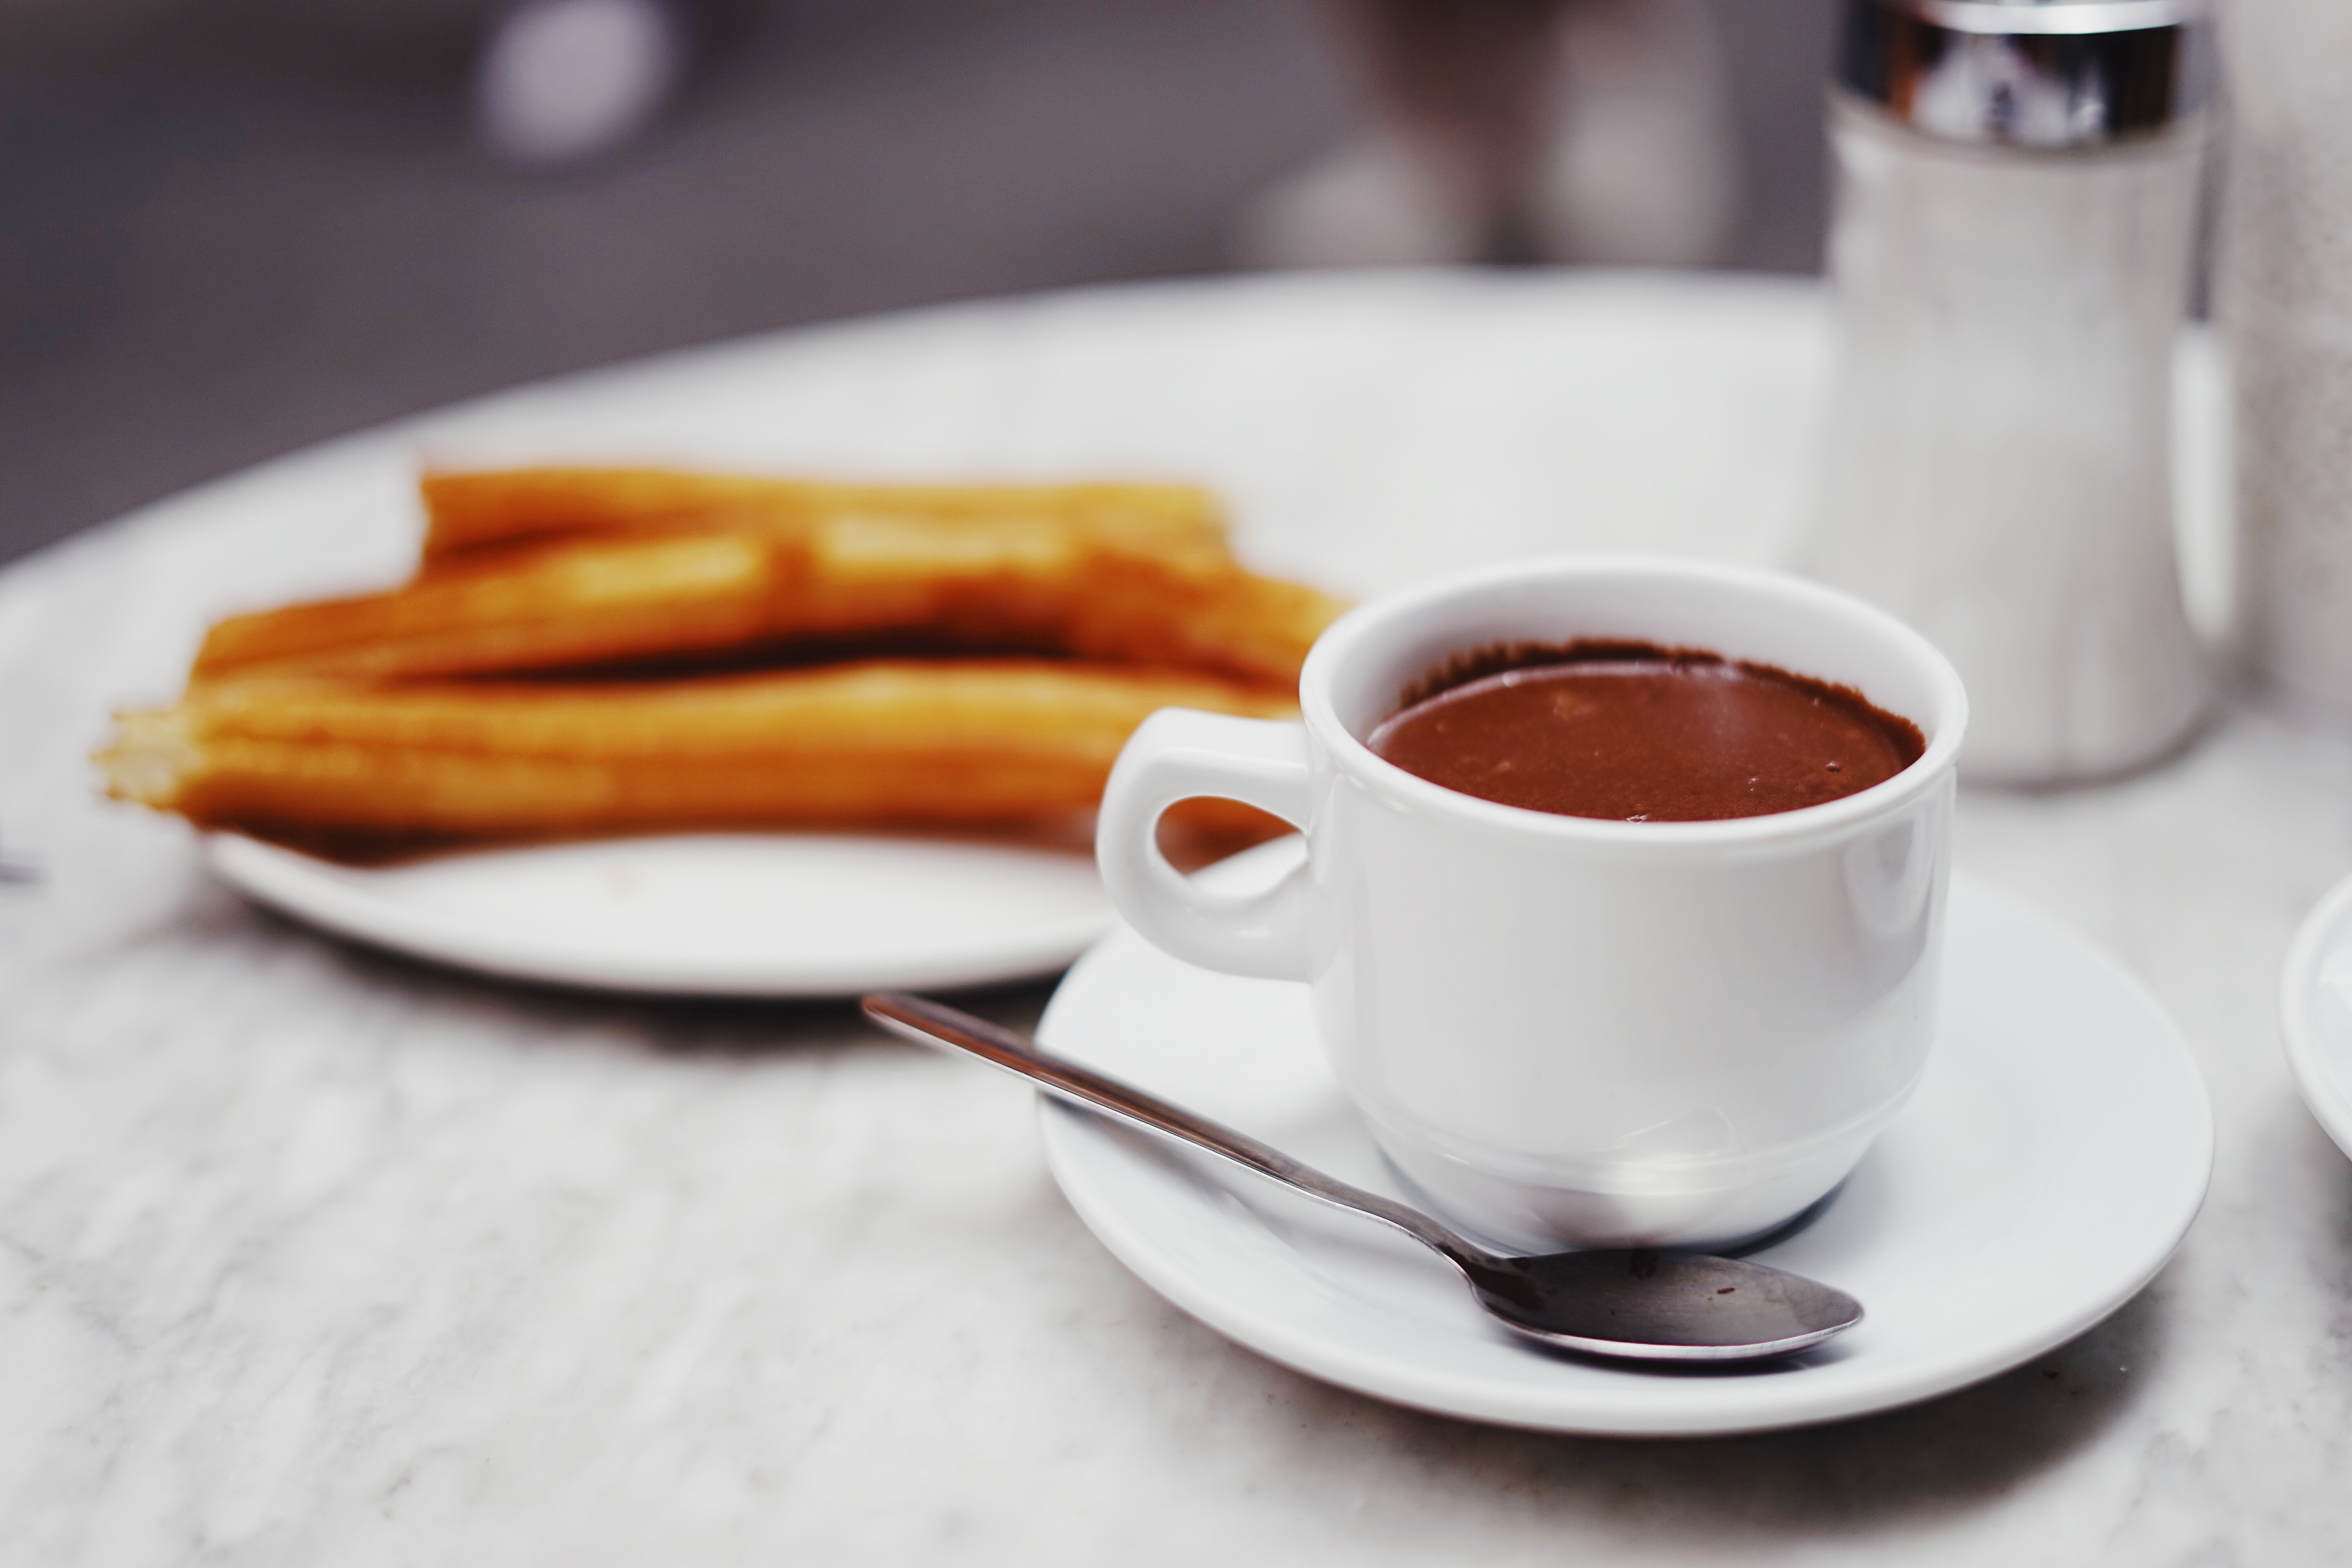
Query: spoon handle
x=921 y=1019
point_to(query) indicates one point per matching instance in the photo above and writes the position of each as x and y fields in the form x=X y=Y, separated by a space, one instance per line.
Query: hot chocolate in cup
x=1570 y=1030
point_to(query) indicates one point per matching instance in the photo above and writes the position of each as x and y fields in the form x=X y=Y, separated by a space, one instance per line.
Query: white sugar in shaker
x=2010 y=249
x=2286 y=301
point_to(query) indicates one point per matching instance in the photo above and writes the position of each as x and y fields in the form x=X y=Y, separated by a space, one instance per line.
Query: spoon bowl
x=1659 y=1306
x=1630 y=1303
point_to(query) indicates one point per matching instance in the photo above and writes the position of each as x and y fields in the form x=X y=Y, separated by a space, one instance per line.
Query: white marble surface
x=311 y=1256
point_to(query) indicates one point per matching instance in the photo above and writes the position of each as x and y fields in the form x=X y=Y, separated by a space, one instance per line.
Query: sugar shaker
x=2010 y=247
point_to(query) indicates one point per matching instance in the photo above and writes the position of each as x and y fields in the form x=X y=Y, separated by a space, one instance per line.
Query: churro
x=962 y=743
x=467 y=513
x=1017 y=583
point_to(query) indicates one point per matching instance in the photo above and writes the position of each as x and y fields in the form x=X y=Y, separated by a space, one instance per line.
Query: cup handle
x=1176 y=754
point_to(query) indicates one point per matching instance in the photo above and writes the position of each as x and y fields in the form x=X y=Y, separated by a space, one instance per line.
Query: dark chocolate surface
x=1633 y=732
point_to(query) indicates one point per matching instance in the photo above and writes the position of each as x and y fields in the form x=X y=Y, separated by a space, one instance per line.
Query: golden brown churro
x=1012 y=584
x=957 y=743
x=469 y=512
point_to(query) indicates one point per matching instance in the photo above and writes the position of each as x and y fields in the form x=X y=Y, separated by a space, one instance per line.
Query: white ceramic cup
x=1563 y=1030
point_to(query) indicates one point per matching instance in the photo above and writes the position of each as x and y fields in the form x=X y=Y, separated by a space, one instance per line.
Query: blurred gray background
x=230 y=227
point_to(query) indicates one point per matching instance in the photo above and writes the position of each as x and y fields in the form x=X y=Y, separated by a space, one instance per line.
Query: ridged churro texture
x=1031 y=582
x=968 y=743
x=470 y=512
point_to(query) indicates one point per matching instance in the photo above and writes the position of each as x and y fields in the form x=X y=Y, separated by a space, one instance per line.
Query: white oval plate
x=2050 y=1163
x=706 y=914
x=2316 y=1012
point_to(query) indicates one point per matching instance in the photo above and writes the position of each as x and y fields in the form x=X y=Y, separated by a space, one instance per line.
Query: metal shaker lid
x=2030 y=73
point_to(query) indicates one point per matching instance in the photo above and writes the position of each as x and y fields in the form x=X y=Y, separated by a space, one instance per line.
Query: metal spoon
x=1638 y=1304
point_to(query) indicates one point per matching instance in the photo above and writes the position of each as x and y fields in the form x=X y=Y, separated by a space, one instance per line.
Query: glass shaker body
x=1998 y=466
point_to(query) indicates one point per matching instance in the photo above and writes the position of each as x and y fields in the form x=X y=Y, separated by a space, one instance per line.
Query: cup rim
x=1347 y=636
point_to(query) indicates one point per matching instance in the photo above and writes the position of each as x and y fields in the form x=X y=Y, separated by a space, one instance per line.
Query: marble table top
x=313 y=1254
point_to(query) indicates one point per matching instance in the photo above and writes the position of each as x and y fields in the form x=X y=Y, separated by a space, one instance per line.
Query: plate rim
x=320 y=893
x=1537 y=1408
x=2316 y=938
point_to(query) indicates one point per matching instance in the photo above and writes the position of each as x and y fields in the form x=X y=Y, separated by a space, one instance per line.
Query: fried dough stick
x=950 y=743
x=468 y=514
x=1011 y=584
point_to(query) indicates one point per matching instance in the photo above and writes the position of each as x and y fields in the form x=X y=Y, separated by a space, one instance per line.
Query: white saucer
x=2316 y=1012
x=2050 y=1162
x=706 y=914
